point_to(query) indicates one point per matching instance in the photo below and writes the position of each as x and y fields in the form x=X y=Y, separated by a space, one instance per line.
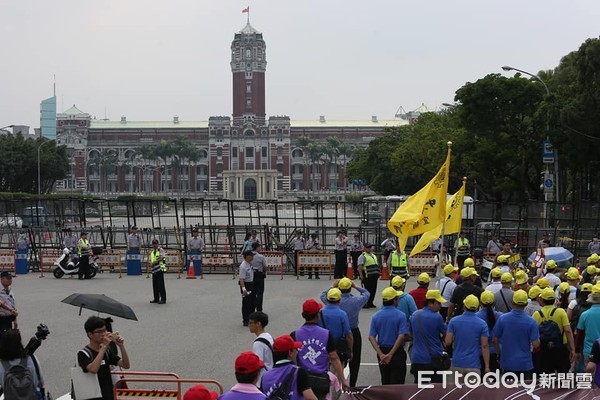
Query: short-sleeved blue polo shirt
x=468 y=330
x=589 y=321
x=433 y=328
x=407 y=305
x=516 y=331
x=483 y=315
x=336 y=321
x=387 y=324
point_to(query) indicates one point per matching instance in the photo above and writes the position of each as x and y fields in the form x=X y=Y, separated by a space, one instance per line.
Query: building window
x=248 y=132
x=264 y=151
x=280 y=168
x=264 y=166
x=248 y=74
x=234 y=152
x=248 y=87
x=249 y=152
x=248 y=102
x=219 y=168
x=219 y=151
x=279 y=151
x=249 y=165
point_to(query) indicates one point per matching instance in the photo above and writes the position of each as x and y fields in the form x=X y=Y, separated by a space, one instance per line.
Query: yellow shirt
x=560 y=317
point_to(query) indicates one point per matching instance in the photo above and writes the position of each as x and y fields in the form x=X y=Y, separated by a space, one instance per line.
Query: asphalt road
x=197 y=334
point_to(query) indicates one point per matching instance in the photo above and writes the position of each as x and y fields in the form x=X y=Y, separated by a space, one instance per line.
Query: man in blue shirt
x=334 y=319
x=352 y=305
x=406 y=303
x=388 y=327
x=470 y=336
x=588 y=327
x=514 y=334
x=428 y=328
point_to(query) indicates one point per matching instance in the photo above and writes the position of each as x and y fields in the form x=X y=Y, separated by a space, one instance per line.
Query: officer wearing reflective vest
x=83 y=251
x=159 y=267
x=369 y=271
x=398 y=263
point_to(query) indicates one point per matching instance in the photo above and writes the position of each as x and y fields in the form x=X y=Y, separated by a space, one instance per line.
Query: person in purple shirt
x=285 y=352
x=388 y=327
x=318 y=350
x=427 y=327
x=352 y=305
x=247 y=374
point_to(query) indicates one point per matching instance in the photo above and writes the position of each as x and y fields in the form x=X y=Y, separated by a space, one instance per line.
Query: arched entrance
x=250 y=189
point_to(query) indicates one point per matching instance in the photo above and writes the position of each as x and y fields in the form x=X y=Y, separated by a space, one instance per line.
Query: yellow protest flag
x=423 y=210
x=454 y=207
x=454 y=210
x=426 y=240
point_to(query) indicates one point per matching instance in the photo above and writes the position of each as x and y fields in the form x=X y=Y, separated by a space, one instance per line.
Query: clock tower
x=248 y=65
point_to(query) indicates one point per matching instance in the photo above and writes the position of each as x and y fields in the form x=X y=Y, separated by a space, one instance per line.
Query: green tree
x=575 y=87
x=504 y=132
x=18 y=164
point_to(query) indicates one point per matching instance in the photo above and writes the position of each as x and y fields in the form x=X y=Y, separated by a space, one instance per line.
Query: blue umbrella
x=558 y=254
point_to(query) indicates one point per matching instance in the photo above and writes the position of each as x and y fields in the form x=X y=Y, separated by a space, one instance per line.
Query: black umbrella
x=100 y=303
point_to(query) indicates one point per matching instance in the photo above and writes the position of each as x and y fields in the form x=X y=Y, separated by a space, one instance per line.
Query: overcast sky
x=345 y=59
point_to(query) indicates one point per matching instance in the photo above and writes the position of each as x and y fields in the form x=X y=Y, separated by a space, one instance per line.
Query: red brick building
x=245 y=156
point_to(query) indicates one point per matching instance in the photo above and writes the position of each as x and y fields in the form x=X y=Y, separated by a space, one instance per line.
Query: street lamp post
x=547 y=172
x=39 y=174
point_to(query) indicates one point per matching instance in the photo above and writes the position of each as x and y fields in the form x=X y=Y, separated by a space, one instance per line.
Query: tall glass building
x=48 y=118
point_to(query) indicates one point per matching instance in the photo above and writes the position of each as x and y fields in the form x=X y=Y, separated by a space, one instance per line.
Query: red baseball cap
x=285 y=343
x=311 y=307
x=200 y=392
x=247 y=363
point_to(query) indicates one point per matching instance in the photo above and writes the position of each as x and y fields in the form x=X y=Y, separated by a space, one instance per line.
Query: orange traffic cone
x=350 y=269
x=191 y=274
x=384 y=271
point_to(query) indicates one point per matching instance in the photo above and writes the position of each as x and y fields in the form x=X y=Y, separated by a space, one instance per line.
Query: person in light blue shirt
x=514 y=334
x=406 y=303
x=388 y=327
x=335 y=320
x=588 y=326
x=427 y=327
x=470 y=337
x=352 y=305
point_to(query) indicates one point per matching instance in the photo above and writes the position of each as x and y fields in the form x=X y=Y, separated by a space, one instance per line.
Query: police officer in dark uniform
x=83 y=250
x=259 y=264
x=159 y=267
x=246 y=281
x=8 y=310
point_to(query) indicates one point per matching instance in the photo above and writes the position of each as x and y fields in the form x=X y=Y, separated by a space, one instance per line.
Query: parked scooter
x=64 y=265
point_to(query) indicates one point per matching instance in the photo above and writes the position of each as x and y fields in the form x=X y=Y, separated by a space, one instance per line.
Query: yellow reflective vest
x=161 y=265
x=371 y=266
x=398 y=263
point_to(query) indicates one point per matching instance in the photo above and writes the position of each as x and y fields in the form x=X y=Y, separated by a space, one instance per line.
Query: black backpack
x=267 y=343
x=18 y=381
x=283 y=391
x=551 y=337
